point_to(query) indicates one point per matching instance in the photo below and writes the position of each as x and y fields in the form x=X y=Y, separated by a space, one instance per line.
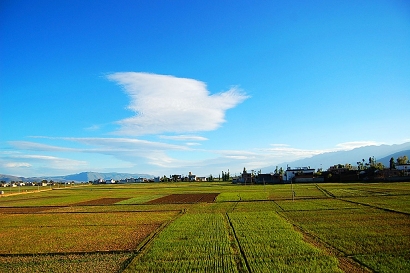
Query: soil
x=18 y=210
x=185 y=198
x=101 y=201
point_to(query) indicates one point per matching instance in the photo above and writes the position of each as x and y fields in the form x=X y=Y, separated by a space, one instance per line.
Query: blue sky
x=164 y=87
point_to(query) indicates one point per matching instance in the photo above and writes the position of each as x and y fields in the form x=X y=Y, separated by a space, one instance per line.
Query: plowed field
x=101 y=201
x=16 y=210
x=186 y=198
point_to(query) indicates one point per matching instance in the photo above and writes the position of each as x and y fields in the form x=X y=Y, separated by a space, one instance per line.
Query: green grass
x=73 y=263
x=363 y=233
x=192 y=243
x=272 y=245
x=369 y=222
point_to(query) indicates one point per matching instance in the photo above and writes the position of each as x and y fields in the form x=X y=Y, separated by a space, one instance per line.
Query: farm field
x=208 y=227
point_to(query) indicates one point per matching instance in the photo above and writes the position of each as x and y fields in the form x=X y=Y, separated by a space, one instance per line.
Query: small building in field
x=298 y=171
x=269 y=178
x=191 y=177
x=403 y=167
x=201 y=179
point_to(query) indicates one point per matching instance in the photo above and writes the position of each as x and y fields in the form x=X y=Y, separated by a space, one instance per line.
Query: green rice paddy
x=348 y=227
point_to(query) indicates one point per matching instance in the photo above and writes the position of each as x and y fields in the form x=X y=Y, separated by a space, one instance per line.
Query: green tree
x=402 y=160
x=392 y=165
x=378 y=166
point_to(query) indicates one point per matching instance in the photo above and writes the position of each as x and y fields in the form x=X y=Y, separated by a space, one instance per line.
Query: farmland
x=208 y=227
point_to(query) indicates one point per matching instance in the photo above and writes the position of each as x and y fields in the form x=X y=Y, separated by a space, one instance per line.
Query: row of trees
x=400 y=161
x=372 y=164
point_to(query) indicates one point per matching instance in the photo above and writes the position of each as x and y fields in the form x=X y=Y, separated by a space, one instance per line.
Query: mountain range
x=381 y=153
x=79 y=177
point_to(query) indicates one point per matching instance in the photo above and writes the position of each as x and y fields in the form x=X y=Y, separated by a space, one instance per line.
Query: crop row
x=192 y=243
x=377 y=238
x=73 y=263
x=270 y=244
x=77 y=232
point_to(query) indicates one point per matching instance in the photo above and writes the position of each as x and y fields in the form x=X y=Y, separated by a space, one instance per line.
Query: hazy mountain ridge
x=381 y=153
x=79 y=177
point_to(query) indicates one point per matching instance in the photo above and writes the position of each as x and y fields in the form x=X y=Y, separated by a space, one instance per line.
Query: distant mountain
x=8 y=178
x=381 y=154
x=79 y=177
x=91 y=176
x=386 y=160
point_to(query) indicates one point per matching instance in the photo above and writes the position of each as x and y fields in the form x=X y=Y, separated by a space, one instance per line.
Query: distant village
x=366 y=171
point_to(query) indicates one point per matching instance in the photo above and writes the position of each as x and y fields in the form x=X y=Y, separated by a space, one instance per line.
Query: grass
x=272 y=245
x=77 y=232
x=248 y=227
x=98 y=262
x=192 y=243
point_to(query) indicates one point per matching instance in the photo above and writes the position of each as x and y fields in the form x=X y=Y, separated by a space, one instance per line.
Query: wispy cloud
x=164 y=103
x=184 y=138
x=356 y=144
x=35 y=146
x=35 y=164
x=17 y=165
x=93 y=128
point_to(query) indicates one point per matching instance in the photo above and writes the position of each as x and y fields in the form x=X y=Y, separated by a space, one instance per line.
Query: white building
x=403 y=167
x=290 y=173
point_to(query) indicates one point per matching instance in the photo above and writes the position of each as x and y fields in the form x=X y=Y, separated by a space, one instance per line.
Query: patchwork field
x=208 y=227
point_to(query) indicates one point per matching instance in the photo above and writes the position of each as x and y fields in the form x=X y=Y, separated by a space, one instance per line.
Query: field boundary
x=141 y=248
x=184 y=198
x=46 y=210
x=374 y=207
x=248 y=268
x=346 y=263
x=325 y=192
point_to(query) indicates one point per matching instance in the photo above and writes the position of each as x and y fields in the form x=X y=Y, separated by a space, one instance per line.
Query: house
x=290 y=173
x=191 y=177
x=201 y=178
x=403 y=167
x=245 y=178
x=269 y=178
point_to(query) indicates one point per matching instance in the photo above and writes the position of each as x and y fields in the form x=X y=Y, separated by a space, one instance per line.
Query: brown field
x=100 y=201
x=17 y=210
x=186 y=198
x=37 y=230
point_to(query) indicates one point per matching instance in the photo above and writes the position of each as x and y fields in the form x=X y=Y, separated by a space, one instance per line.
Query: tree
x=225 y=176
x=402 y=160
x=378 y=166
x=392 y=165
x=281 y=171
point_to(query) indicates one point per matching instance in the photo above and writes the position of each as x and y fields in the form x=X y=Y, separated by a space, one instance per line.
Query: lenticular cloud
x=165 y=103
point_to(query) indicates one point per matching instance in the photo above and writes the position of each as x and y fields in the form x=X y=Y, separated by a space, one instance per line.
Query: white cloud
x=35 y=146
x=93 y=128
x=17 y=165
x=193 y=144
x=184 y=138
x=164 y=103
x=355 y=144
x=284 y=151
